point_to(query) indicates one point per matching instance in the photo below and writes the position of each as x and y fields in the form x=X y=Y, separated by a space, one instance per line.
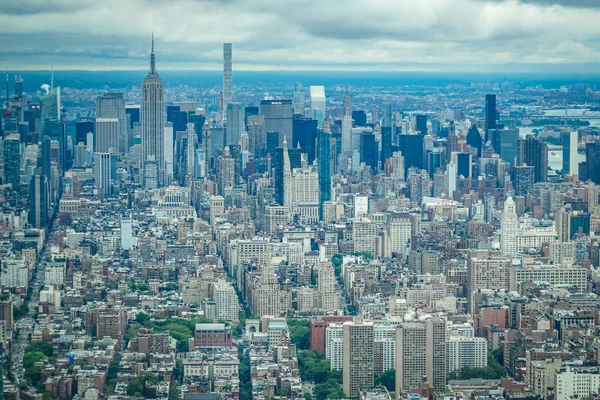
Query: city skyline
x=455 y=35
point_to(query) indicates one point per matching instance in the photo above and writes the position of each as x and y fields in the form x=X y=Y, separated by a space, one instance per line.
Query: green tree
x=337 y=260
x=387 y=379
x=300 y=332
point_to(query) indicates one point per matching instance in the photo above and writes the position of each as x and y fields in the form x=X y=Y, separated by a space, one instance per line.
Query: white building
x=466 y=352
x=226 y=301
x=14 y=272
x=510 y=229
x=334 y=346
x=572 y=383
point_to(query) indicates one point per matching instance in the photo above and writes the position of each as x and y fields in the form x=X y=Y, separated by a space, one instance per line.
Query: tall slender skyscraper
x=490 y=114
x=570 y=162
x=347 y=125
x=153 y=122
x=227 y=75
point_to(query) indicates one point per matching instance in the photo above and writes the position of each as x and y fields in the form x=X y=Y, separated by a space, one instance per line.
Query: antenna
x=7 y=98
x=52 y=77
x=153 y=41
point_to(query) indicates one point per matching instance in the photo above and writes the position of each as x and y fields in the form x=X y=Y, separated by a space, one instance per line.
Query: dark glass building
x=324 y=160
x=178 y=118
x=304 y=132
x=412 y=148
x=250 y=110
x=82 y=128
x=272 y=142
x=490 y=114
x=386 y=144
x=39 y=200
x=474 y=139
x=422 y=124
x=359 y=117
x=368 y=150
x=592 y=153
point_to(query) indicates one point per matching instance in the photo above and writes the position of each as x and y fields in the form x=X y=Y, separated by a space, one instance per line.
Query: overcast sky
x=441 y=35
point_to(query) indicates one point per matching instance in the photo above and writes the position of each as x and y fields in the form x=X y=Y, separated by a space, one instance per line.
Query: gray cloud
x=302 y=34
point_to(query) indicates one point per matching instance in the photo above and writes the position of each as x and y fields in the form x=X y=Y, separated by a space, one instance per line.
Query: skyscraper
x=112 y=105
x=153 y=122
x=505 y=143
x=304 y=132
x=490 y=114
x=347 y=125
x=103 y=172
x=317 y=104
x=412 y=148
x=278 y=118
x=227 y=75
x=510 y=227
x=570 y=162
x=235 y=123
x=12 y=161
x=358 y=361
x=298 y=99
x=50 y=106
x=107 y=135
x=190 y=162
x=368 y=150
x=82 y=128
x=592 y=153
x=421 y=353
x=324 y=162
x=474 y=139
x=523 y=180
x=39 y=200
x=422 y=124
x=534 y=152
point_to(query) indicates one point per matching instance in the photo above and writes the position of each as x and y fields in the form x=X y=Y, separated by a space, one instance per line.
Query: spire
x=347 y=103
x=152 y=59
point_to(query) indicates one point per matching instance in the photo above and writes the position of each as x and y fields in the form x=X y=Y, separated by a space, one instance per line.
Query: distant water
x=123 y=79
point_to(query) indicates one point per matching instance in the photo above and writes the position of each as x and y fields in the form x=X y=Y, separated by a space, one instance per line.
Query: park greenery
x=299 y=332
x=493 y=369
x=314 y=367
x=34 y=353
x=136 y=387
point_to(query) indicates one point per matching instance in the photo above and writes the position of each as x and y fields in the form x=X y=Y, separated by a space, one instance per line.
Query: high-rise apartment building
x=421 y=352
x=358 y=361
x=153 y=122
x=534 y=152
x=486 y=270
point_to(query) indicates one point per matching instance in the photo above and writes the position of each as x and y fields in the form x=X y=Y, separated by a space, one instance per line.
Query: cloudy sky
x=439 y=35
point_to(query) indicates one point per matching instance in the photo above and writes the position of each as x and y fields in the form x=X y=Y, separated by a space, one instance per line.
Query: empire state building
x=153 y=125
